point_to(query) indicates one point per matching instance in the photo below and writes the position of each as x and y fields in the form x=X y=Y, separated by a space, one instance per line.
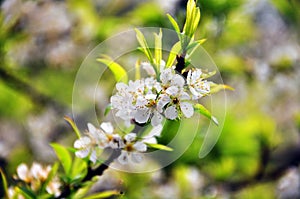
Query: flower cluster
x=151 y=99
x=106 y=137
x=36 y=178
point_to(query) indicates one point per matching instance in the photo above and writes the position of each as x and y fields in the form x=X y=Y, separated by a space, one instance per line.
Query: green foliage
x=63 y=156
x=3 y=182
x=203 y=111
x=159 y=147
x=118 y=71
x=104 y=194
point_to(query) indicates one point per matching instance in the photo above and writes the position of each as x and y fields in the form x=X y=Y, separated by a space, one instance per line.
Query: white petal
x=82 y=142
x=184 y=96
x=173 y=90
x=148 y=68
x=93 y=156
x=123 y=158
x=140 y=146
x=142 y=115
x=36 y=169
x=130 y=137
x=107 y=127
x=156 y=119
x=155 y=131
x=136 y=157
x=162 y=102
x=82 y=153
x=171 y=113
x=22 y=171
x=92 y=129
x=187 y=109
x=178 y=81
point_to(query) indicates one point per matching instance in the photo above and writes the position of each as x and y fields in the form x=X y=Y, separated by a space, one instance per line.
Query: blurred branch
x=35 y=96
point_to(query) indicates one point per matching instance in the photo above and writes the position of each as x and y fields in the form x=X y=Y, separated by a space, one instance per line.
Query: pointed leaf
x=174 y=51
x=174 y=23
x=63 y=156
x=118 y=71
x=214 y=88
x=159 y=146
x=73 y=125
x=107 y=109
x=79 y=169
x=158 y=49
x=4 y=182
x=203 y=111
x=144 y=46
x=104 y=194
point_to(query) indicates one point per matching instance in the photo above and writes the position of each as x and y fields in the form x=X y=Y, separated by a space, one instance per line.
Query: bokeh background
x=254 y=43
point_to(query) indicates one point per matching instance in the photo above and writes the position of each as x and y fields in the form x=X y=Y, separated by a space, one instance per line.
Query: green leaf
x=104 y=194
x=144 y=46
x=63 y=156
x=158 y=49
x=174 y=23
x=4 y=182
x=159 y=146
x=203 y=111
x=174 y=51
x=214 y=88
x=107 y=109
x=73 y=125
x=208 y=74
x=28 y=194
x=118 y=71
x=84 y=190
x=79 y=169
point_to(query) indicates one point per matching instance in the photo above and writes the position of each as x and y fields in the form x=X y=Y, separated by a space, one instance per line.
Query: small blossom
x=196 y=83
x=53 y=187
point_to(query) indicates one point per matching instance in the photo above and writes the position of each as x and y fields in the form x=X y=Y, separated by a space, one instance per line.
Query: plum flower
x=176 y=101
x=96 y=138
x=196 y=83
x=131 y=150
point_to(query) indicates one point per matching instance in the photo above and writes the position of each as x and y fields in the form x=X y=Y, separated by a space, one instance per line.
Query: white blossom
x=197 y=85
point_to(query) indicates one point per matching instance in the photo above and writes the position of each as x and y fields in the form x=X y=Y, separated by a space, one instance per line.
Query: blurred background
x=254 y=43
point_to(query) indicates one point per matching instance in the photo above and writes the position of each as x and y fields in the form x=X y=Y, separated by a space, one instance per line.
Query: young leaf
x=63 y=156
x=214 y=88
x=107 y=109
x=144 y=46
x=28 y=194
x=118 y=71
x=203 y=111
x=73 y=125
x=174 y=51
x=158 y=49
x=174 y=23
x=104 y=194
x=79 y=169
x=159 y=146
x=4 y=182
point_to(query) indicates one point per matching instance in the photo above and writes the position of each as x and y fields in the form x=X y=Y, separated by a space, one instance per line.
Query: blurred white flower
x=53 y=187
x=197 y=85
x=24 y=173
